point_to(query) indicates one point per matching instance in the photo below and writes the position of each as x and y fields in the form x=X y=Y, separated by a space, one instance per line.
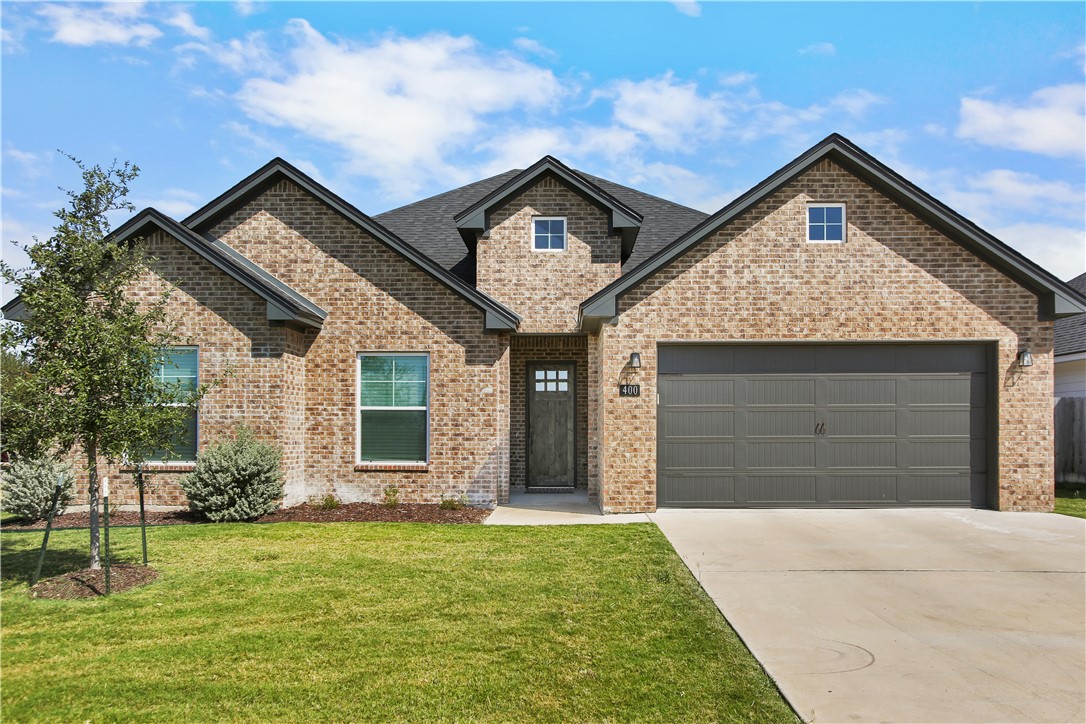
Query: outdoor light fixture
x=635 y=360
x=1025 y=358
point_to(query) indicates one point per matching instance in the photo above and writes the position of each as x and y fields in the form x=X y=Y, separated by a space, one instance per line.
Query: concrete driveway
x=902 y=615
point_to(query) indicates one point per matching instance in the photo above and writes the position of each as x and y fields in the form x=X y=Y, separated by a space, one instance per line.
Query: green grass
x=379 y=621
x=1071 y=499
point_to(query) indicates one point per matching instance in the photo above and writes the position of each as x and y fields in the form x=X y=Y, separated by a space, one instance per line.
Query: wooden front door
x=551 y=414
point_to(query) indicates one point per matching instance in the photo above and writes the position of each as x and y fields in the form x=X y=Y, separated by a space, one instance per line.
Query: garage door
x=822 y=425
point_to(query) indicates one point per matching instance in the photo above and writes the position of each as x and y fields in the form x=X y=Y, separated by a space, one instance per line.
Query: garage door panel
x=863 y=423
x=943 y=422
x=699 y=489
x=842 y=489
x=685 y=454
x=780 y=423
x=781 y=454
x=952 y=391
x=781 y=489
x=781 y=392
x=865 y=454
x=695 y=392
x=825 y=425
x=699 y=423
x=940 y=489
x=862 y=392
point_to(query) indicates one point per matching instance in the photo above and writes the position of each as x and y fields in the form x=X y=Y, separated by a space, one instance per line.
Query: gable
x=1054 y=299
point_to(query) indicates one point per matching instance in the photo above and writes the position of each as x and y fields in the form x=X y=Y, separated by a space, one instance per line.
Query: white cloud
x=884 y=144
x=249 y=55
x=994 y=197
x=184 y=22
x=117 y=23
x=741 y=78
x=670 y=114
x=175 y=203
x=397 y=106
x=1052 y=122
x=822 y=48
x=530 y=45
x=1059 y=249
x=935 y=129
x=245 y=8
x=687 y=7
x=32 y=165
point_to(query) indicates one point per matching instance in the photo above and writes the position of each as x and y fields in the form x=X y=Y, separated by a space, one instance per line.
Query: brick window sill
x=392 y=467
x=161 y=468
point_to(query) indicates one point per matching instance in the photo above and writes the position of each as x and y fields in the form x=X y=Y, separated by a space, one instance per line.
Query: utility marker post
x=105 y=502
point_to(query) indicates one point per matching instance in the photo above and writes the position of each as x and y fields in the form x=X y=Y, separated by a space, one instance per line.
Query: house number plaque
x=629 y=390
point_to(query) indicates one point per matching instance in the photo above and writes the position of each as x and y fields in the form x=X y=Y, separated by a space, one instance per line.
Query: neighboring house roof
x=1070 y=332
x=497 y=316
x=1055 y=299
x=622 y=219
x=428 y=224
x=285 y=306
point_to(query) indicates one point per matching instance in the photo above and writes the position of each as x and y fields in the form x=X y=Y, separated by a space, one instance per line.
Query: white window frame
x=358 y=408
x=822 y=205
x=565 y=233
x=196 y=441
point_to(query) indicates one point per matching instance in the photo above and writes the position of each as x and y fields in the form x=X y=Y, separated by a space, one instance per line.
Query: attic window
x=549 y=233
x=826 y=223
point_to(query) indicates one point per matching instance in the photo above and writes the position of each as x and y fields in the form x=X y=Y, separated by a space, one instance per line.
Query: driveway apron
x=933 y=615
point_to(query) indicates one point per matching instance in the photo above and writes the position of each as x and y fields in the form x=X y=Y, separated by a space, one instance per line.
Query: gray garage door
x=822 y=425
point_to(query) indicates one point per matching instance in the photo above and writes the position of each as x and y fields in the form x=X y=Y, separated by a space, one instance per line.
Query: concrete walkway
x=555 y=509
x=902 y=615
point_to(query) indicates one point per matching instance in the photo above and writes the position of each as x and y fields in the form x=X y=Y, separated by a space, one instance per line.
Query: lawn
x=379 y=621
x=1071 y=499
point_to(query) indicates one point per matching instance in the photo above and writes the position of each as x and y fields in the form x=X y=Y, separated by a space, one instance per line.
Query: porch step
x=562 y=489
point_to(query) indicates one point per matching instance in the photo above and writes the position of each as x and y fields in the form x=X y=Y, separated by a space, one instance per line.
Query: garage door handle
x=820 y=428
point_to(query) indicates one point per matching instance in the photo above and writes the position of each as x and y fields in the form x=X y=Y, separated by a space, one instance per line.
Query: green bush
x=27 y=487
x=235 y=480
x=392 y=496
x=455 y=503
x=328 y=502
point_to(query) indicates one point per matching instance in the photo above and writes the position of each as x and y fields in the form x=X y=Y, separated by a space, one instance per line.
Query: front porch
x=556 y=509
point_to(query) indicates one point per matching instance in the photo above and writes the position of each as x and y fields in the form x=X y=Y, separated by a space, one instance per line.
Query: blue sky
x=981 y=104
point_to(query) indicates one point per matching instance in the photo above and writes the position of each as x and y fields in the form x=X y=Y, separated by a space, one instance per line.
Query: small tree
x=90 y=348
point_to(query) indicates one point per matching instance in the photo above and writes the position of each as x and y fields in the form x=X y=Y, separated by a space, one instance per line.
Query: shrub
x=28 y=486
x=328 y=502
x=392 y=496
x=454 y=503
x=235 y=480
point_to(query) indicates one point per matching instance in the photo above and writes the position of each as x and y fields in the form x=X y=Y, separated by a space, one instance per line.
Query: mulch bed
x=91 y=583
x=305 y=513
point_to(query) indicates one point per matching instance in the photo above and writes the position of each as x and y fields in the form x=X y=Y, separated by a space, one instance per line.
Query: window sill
x=161 y=468
x=391 y=467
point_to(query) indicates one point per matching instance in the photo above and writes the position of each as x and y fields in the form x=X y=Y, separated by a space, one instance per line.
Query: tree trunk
x=92 y=493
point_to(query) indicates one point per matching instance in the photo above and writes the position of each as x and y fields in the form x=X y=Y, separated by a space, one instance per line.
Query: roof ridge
x=676 y=204
x=449 y=192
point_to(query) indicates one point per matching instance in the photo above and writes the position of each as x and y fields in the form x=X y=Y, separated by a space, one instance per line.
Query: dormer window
x=549 y=233
x=826 y=223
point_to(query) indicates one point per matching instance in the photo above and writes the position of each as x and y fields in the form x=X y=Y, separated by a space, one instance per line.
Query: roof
x=285 y=306
x=1070 y=332
x=1055 y=299
x=496 y=315
x=428 y=224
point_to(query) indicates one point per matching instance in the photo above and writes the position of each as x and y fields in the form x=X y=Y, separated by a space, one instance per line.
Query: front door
x=551 y=418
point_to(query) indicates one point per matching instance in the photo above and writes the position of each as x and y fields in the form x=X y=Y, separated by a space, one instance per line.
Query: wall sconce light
x=1025 y=358
x=635 y=360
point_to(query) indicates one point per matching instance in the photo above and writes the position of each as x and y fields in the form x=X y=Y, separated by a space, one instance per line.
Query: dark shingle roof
x=1070 y=332
x=428 y=224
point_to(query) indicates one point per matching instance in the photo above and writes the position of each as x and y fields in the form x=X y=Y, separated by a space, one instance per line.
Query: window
x=394 y=402
x=552 y=380
x=180 y=371
x=826 y=223
x=549 y=234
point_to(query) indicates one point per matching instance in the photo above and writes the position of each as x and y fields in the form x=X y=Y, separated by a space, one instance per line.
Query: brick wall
x=257 y=370
x=527 y=349
x=894 y=279
x=379 y=302
x=547 y=288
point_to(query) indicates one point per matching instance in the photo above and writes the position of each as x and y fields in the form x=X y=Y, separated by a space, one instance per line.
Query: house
x=1070 y=349
x=833 y=337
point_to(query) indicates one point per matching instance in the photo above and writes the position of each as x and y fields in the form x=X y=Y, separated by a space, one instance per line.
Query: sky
x=982 y=105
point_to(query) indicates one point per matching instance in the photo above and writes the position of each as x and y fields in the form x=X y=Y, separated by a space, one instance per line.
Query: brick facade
x=895 y=279
x=547 y=288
